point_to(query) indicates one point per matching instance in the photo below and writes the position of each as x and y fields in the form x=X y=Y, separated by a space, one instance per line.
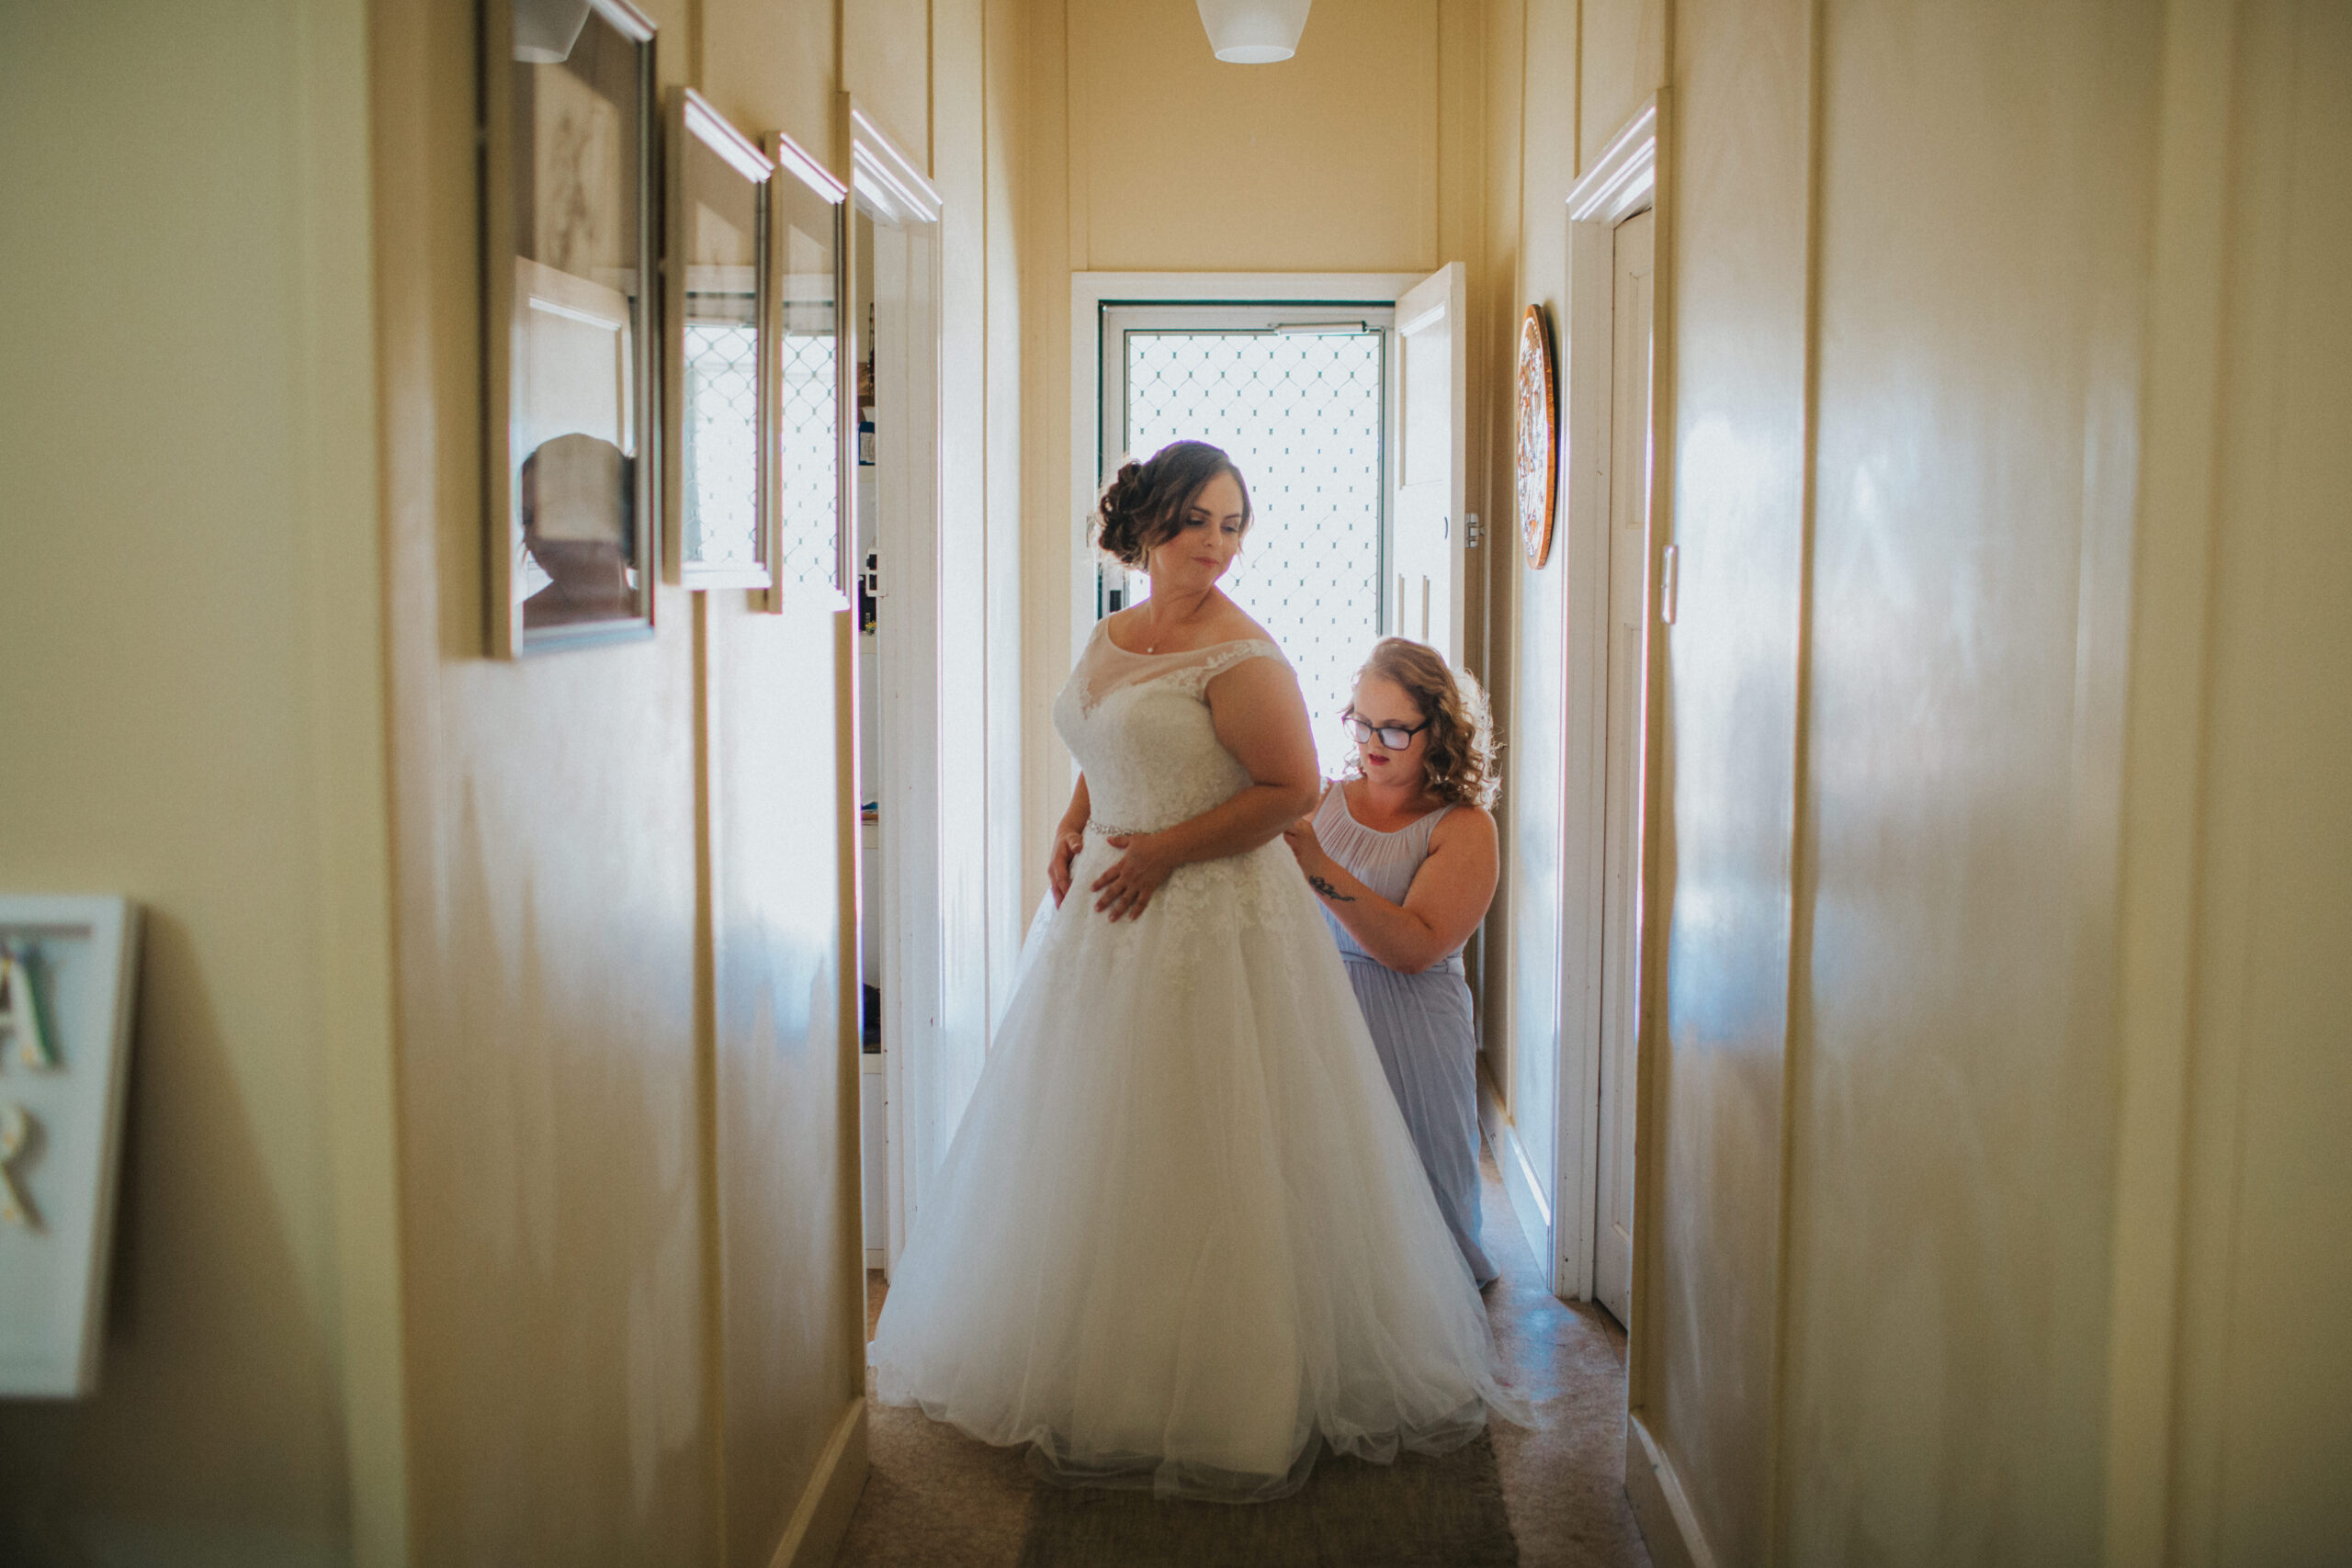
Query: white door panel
x=1431 y=471
x=1629 y=554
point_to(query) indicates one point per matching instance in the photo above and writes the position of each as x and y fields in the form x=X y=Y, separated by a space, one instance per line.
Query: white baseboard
x=1661 y=1506
x=823 y=1517
x=1527 y=1204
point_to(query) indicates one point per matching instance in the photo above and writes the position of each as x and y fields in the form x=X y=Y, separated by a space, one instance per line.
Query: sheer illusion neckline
x=1104 y=628
x=1340 y=788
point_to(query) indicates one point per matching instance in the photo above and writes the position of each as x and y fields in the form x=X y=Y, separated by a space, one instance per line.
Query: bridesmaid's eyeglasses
x=1395 y=736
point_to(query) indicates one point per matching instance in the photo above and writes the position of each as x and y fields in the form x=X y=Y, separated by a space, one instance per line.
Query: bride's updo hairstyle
x=1143 y=506
x=1461 y=756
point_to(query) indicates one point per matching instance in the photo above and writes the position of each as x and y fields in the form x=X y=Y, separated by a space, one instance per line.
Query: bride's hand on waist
x=1126 y=889
x=1065 y=847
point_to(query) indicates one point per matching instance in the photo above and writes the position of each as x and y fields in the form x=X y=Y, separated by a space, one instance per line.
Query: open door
x=931 y=1045
x=1428 y=530
x=1630 y=597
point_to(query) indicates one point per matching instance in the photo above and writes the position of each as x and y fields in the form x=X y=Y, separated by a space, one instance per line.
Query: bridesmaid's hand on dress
x=1066 y=848
x=1304 y=846
x=1128 y=885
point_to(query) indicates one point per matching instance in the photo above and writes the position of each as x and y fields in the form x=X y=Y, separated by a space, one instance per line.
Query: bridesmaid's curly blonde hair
x=1461 y=756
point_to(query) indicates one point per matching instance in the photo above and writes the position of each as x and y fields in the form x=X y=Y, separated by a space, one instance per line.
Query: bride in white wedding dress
x=1182 y=1238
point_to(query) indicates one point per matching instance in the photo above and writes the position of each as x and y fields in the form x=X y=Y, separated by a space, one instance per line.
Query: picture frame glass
x=579 y=378
x=721 y=522
x=809 y=389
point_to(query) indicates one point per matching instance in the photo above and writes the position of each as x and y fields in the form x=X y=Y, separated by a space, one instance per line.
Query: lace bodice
x=1138 y=725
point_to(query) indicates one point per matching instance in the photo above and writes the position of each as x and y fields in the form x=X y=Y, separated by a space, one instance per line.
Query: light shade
x=545 y=30
x=1254 y=32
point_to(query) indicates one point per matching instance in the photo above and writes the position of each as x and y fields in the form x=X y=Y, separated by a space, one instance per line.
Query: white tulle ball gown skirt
x=1182 y=1238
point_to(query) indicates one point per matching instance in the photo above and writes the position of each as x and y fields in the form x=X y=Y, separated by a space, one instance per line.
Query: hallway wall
x=1880 y=710
x=1567 y=74
x=1971 y=313
x=193 y=715
x=634 y=1266
x=1978 y=343
x=2231 y=1415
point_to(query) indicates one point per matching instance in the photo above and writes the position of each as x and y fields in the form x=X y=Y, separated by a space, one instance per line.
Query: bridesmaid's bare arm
x=1448 y=898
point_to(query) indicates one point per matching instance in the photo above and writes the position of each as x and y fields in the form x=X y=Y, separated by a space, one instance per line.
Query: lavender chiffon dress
x=1420 y=1024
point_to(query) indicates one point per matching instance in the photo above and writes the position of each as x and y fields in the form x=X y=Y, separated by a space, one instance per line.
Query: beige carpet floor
x=936 y=1497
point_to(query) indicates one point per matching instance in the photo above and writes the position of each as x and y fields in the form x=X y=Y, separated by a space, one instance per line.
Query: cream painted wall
x=887 y=59
x=1706 y=1305
x=193 y=699
x=633 y=1265
x=1497 y=299
x=1981 y=303
x=551 y=958
x=1004 y=73
x=1326 y=162
x=1526 y=1048
x=2261 y=1433
x=1878 y=1312
x=1545 y=69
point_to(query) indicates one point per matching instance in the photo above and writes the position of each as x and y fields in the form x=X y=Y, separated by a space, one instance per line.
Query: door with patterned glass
x=1346 y=417
x=1300 y=397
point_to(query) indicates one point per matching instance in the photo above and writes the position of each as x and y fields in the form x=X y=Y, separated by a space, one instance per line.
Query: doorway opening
x=907 y=1107
x=1339 y=398
x=1625 y=732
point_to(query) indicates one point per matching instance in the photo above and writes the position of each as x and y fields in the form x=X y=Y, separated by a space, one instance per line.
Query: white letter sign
x=66 y=971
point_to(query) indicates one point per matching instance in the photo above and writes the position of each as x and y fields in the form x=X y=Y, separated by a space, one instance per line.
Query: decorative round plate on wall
x=1539 y=447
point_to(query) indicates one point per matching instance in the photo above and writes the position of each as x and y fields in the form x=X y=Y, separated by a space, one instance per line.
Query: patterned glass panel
x=809 y=457
x=722 y=519
x=1302 y=414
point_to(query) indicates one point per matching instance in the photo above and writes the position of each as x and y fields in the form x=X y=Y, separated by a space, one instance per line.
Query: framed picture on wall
x=716 y=337
x=813 y=392
x=69 y=967
x=571 y=440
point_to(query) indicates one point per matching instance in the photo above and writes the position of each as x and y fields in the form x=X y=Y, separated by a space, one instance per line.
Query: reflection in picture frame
x=569 y=210
x=717 y=487
x=812 y=392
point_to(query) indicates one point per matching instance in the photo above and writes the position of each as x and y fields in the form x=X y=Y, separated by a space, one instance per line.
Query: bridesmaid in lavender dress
x=1402 y=853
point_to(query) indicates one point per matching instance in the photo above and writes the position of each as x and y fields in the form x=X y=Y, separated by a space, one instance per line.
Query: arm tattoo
x=1331 y=891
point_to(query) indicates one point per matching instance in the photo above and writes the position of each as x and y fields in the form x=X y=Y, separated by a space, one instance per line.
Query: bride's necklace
x=1151 y=612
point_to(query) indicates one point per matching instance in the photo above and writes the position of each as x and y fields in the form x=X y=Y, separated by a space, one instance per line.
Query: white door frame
x=1089 y=292
x=1622 y=182
x=905 y=210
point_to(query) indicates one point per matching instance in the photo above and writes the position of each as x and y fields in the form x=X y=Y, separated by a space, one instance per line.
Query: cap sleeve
x=1216 y=660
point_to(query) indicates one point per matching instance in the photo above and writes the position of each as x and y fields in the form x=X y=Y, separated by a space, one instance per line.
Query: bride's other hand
x=1128 y=885
x=1066 y=849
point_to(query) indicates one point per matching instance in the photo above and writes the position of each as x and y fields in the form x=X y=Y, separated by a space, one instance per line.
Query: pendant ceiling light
x=1254 y=32
x=545 y=30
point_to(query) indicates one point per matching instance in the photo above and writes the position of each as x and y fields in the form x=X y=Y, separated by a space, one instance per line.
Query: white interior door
x=1431 y=473
x=1629 y=555
x=924 y=1088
